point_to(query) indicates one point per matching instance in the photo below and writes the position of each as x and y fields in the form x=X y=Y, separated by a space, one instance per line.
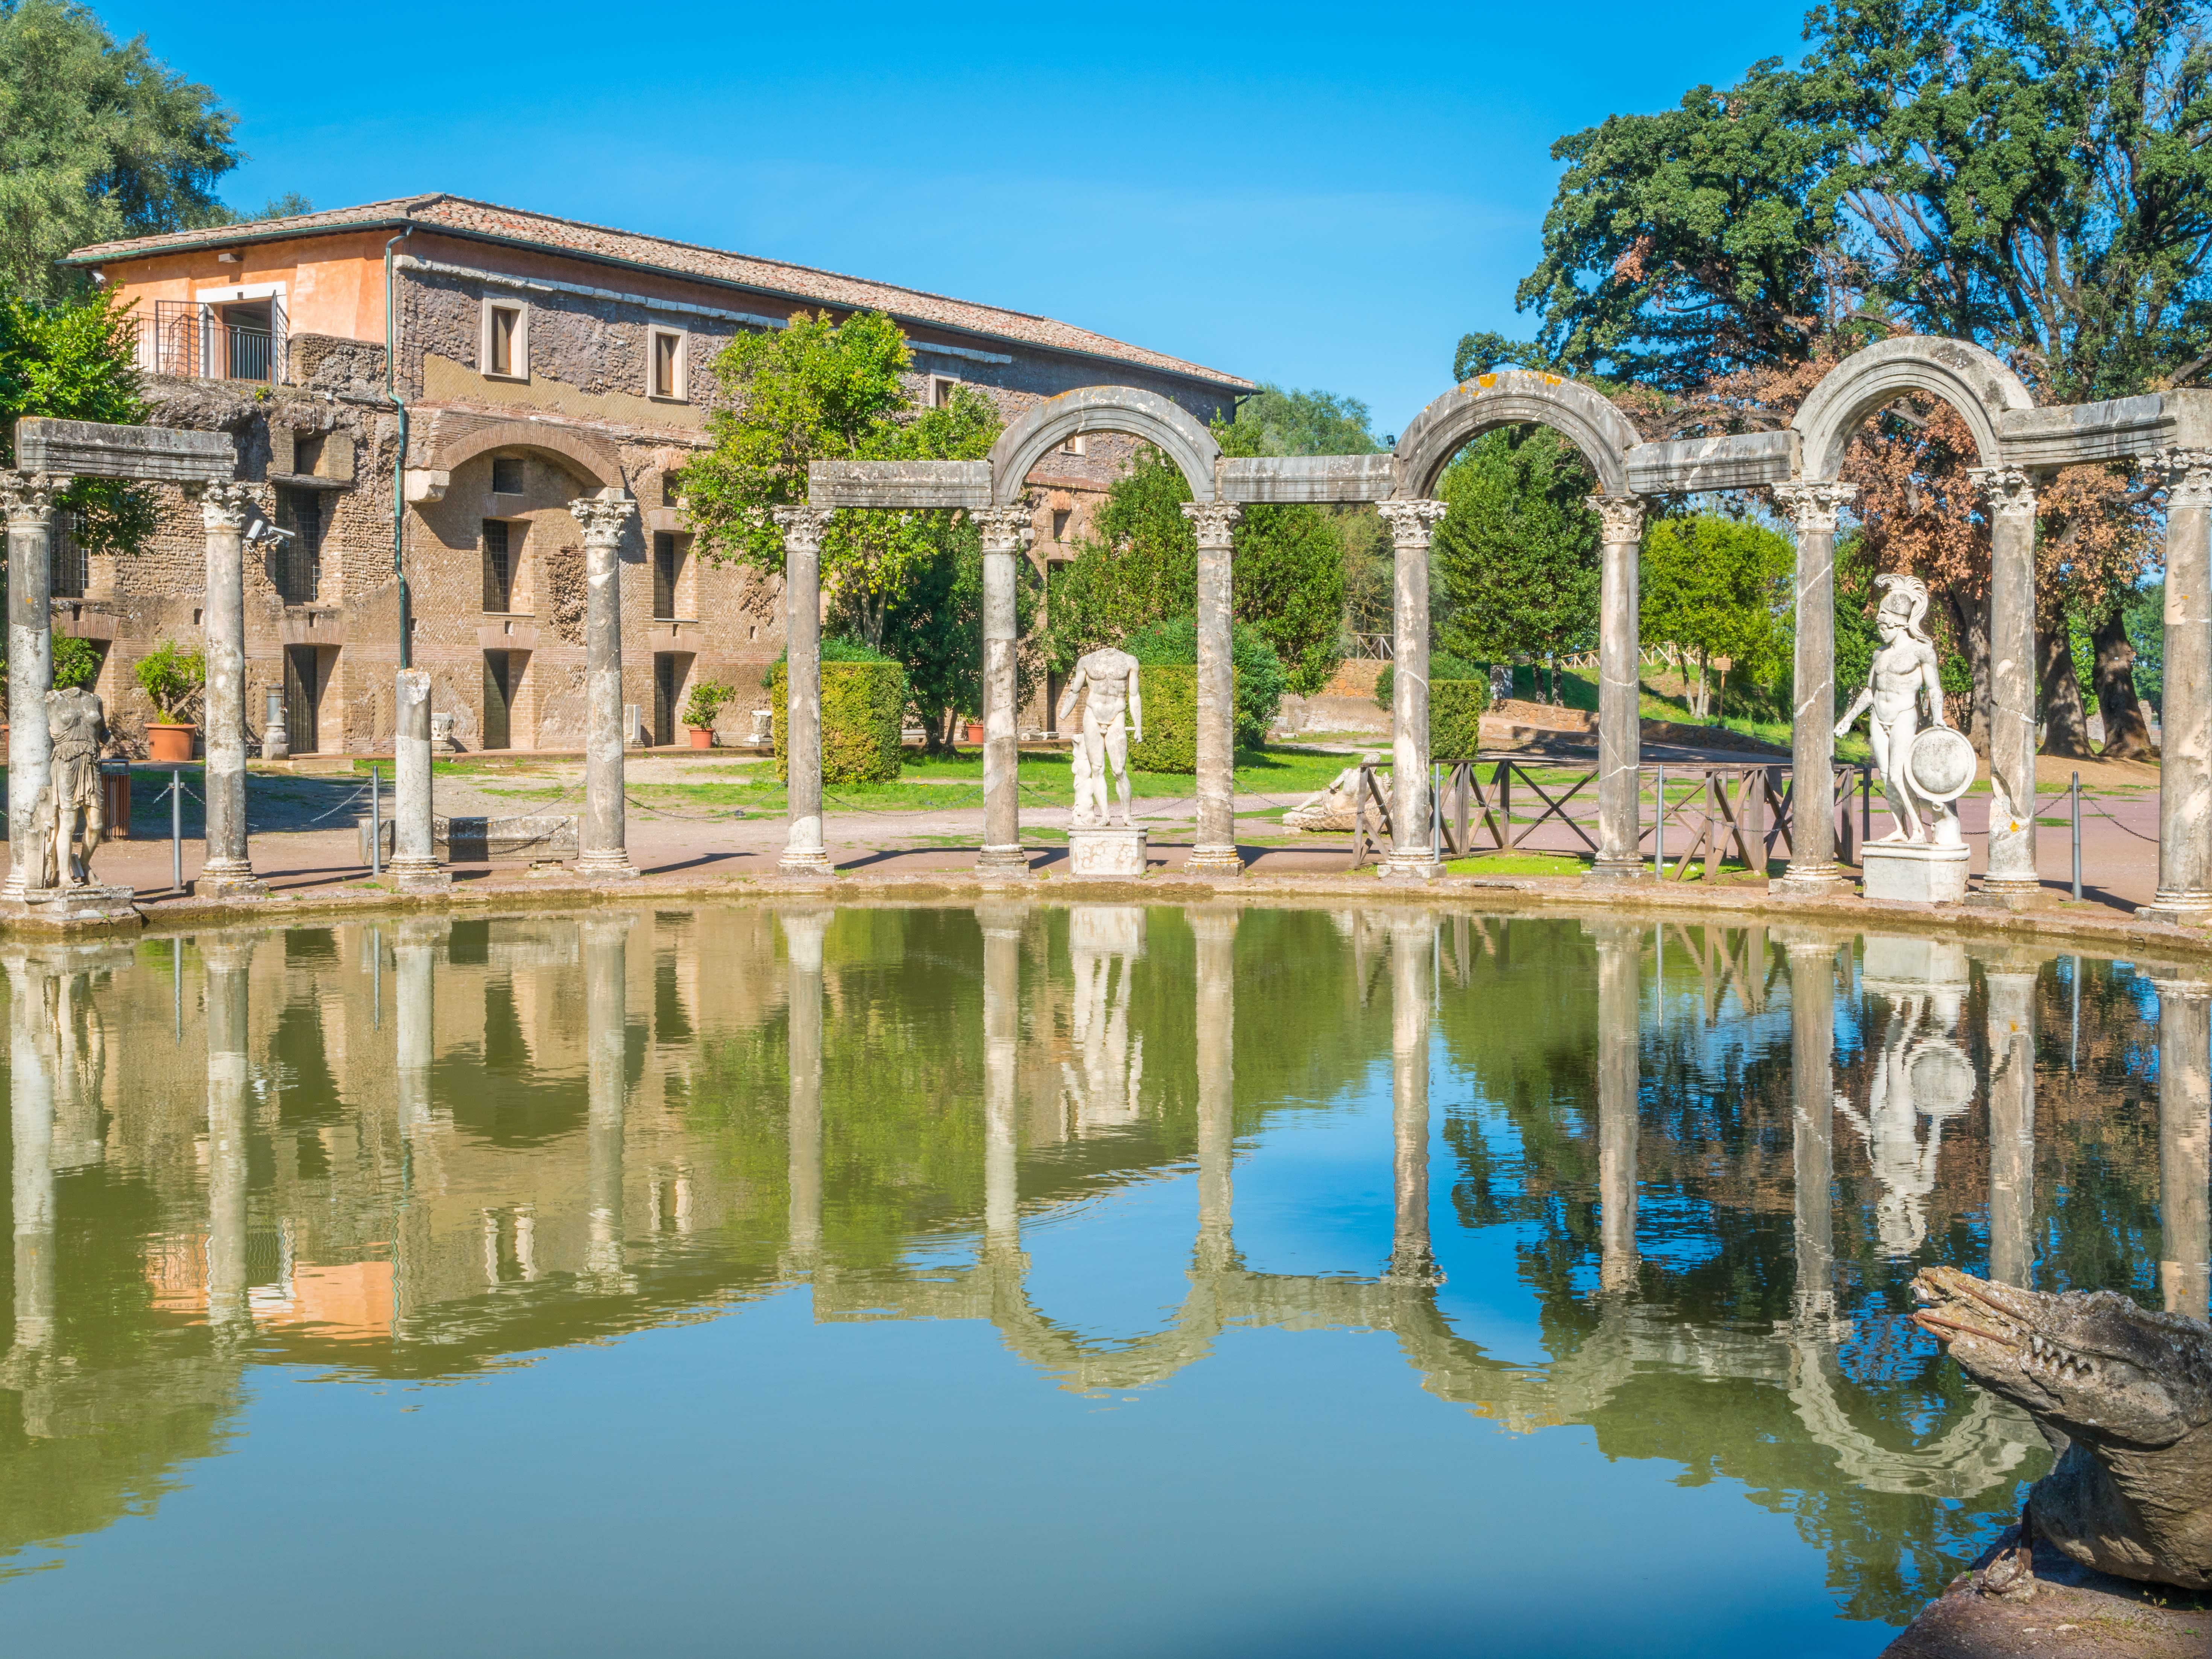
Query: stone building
x=539 y=360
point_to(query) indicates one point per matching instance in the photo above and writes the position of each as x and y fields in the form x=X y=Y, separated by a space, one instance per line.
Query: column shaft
x=803 y=853
x=1412 y=844
x=226 y=872
x=414 y=844
x=1619 y=695
x=2012 y=681
x=2184 y=1143
x=1814 y=507
x=1003 y=528
x=2184 y=782
x=1214 y=849
x=2012 y=1127
x=603 y=843
x=28 y=498
x=1619 y=1020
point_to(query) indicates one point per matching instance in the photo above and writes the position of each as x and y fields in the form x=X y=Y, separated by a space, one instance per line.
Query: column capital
x=28 y=497
x=2008 y=489
x=1214 y=521
x=1623 y=515
x=2189 y=477
x=1411 y=522
x=1814 y=504
x=603 y=518
x=225 y=504
x=803 y=525
x=1005 y=528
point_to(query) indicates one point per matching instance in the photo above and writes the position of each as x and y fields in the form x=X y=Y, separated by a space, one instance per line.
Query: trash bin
x=115 y=798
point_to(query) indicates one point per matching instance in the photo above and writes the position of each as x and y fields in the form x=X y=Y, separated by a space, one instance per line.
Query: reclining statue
x=2130 y=1393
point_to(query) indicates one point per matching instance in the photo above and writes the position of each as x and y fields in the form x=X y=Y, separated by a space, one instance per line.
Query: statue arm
x=1860 y=704
x=1066 y=706
x=1931 y=676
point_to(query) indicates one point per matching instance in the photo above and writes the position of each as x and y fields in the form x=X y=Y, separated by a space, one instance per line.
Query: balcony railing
x=184 y=341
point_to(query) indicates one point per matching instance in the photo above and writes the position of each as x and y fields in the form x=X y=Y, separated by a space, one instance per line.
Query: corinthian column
x=1004 y=529
x=802 y=529
x=414 y=865
x=1619 y=963
x=2184 y=1140
x=2011 y=495
x=2184 y=781
x=227 y=872
x=1213 y=850
x=1413 y=1260
x=603 y=849
x=1620 y=690
x=1413 y=847
x=1813 y=506
x=29 y=500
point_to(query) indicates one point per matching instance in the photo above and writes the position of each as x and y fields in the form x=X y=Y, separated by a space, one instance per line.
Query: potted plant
x=708 y=699
x=173 y=680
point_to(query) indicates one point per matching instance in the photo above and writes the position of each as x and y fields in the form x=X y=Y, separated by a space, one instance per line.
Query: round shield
x=1942 y=763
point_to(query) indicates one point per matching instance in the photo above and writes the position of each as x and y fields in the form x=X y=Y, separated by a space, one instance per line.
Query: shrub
x=1459 y=695
x=77 y=662
x=863 y=713
x=171 y=679
x=1442 y=666
x=1170 y=693
x=708 y=699
x=1256 y=671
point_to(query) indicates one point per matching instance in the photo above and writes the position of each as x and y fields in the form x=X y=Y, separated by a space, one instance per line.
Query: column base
x=1608 y=871
x=1003 y=864
x=418 y=875
x=1811 y=881
x=228 y=878
x=2005 y=893
x=1418 y=866
x=607 y=867
x=813 y=863
x=2181 y=910
x=1213 y=861
x=1415 y=1266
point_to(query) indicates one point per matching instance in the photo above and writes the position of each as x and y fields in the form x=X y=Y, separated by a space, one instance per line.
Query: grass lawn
x=1520 y=864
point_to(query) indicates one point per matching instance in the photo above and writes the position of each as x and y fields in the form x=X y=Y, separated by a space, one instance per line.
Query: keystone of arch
x=1973 y=381
x=588 y=457
x=1168 y=427
x=1516 y=397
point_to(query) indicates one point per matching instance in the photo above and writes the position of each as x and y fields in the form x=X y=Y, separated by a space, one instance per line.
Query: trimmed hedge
x=1459 y=696
x=1171 y=695
x=863 y=711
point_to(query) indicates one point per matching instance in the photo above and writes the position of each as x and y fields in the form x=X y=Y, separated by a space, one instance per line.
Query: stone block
x=1109 y=853
x=1913 y=964
x=91 y=449
x=1914 y=872
x=68 y=909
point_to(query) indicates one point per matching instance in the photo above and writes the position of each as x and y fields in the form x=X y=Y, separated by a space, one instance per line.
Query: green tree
x=1719 y=586
x=1258 y=671
x=822 y=390
x=1276 y=421
x=1515 y=560
x=76 y=361
x=98 y=142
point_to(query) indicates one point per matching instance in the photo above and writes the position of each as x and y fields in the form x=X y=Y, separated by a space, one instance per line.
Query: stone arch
x=1973 y=381
x=1167 y=426
x=1516 y=397
x=590 y=458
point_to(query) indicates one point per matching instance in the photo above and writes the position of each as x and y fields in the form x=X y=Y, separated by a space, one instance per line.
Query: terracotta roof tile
x=465 y=217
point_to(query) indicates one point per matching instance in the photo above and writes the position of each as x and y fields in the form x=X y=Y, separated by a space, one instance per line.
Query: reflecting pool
x=1090 y=1280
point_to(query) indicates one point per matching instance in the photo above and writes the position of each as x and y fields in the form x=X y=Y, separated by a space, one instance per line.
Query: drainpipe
x=400 y=466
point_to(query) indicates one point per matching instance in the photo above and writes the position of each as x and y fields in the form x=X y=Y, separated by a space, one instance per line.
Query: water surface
x=1100 y=1280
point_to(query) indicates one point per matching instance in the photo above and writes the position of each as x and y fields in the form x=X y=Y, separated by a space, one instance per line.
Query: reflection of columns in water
x=227 y=961
x=2184 y=1143
x=1103 y=944
x=1812 y=1102
x=414 y=972
x=803 y=932
x=1216 y=934
x=1412 y=944
x=2012 y=1123
x=1002 y=973
x=1620 y=953
x=31 y=1123
x=605 y=983
x=1920 y=1072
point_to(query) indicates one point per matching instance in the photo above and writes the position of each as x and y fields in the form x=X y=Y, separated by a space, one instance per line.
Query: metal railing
x=189 y=346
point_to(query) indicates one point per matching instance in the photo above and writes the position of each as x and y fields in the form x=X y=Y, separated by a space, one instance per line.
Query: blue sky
x=1317 y=198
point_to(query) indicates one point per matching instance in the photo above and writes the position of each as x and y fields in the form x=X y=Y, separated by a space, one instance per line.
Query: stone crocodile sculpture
x=2130 y=1393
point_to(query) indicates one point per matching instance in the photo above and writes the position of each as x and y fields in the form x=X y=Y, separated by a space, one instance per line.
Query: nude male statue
x=1905 y=667
x=1110 y=676
x=79 y=725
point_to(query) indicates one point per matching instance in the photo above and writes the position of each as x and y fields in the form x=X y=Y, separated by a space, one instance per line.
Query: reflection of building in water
x=2184 y=1143
x=1922 y=1071
x=1104 y=1078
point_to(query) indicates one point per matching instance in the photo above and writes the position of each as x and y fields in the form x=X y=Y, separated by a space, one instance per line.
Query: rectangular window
x=667 y=571
x=941 y=391
x=667 y=366
x=672 y=489
x=296 y=566
x=1078 y=444
x=498 y=566
x=506 y=343
x=1061 y=520
x=507 y=475
x=66 y=559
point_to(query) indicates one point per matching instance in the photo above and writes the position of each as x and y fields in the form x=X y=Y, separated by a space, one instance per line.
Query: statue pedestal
x=1119 y=854
x=1914 y=872
x=63 y=908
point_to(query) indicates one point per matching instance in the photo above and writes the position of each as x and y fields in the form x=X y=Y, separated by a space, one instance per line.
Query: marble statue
x=1922 y=1073
x=1109 y=675
x=1334 y=808
x=79 y=725
x=1903 y=669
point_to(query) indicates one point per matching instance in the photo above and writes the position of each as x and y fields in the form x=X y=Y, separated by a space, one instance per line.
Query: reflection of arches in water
x=1922 y=1071
x=1102 y=1082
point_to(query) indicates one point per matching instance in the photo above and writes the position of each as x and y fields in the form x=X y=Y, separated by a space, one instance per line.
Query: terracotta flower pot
x=975 y=731
x=167 y=744
x=702 y=737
